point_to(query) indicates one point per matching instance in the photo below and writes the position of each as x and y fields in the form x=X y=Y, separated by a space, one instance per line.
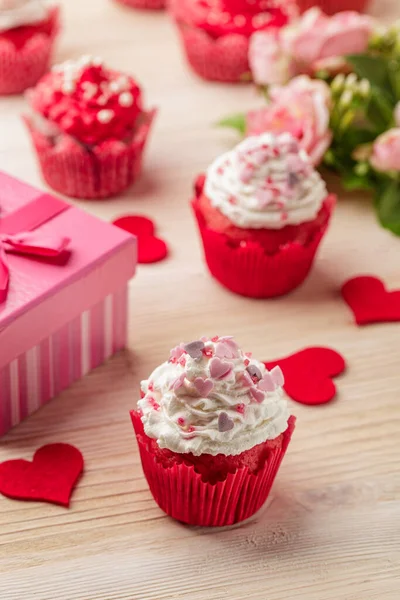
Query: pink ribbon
x=30 y=243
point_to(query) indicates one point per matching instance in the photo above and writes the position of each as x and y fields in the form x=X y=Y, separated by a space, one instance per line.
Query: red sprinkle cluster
x=88 y=101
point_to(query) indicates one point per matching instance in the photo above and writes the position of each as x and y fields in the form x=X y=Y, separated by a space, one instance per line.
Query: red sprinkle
x=240 y=408
x=208 y=352
x=181 y=421
x=246 y=362
x=182 y=361
x=215 y=339
x=190 y=429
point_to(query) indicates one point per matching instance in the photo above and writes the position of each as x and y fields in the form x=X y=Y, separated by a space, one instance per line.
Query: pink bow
x=31 y=244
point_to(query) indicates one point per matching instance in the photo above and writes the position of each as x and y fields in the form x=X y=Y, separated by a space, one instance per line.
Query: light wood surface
x=332 y=528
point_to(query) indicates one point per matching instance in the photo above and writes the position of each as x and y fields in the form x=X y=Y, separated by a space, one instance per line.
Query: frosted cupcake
x=212 y=428
x=28 y=29
x=89 y=128
x=215 y=33
x=262 y=210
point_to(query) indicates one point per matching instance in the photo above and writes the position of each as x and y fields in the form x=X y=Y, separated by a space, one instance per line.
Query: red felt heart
x=308 y=374
x=50 y=477
x=370 y=301
x=150 y=248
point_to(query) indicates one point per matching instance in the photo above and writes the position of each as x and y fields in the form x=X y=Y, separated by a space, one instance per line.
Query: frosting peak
x=88 y=101
x=212 y=398
x=266 y=181
x=16 y=13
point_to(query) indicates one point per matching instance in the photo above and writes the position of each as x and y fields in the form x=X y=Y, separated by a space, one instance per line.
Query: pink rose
x=318 y=37
x=301 y=108
x=269 y=62
x=386 y=151
x=313 y=42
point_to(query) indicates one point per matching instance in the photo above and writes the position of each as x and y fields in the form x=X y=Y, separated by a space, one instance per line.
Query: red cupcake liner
x=21 y=68
x=144 y=4
x=224 y=59
x=246 y=269
x=330 y=7
x=91 y=173
x=181 y=493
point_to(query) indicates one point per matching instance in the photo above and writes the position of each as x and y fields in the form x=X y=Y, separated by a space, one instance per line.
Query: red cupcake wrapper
x=91 y=173
x=224 y=59
x=21 y=68
x=180 y=492
x=248 y=270
x=330 y=7
x=146 y=4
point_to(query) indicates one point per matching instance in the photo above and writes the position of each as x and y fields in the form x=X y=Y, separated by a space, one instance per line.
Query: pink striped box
x=58 y=318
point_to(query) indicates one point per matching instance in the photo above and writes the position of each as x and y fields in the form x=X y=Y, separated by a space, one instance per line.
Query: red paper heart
x=370 y=301
x=308 y=374
x=50 y=477
x=150 y=248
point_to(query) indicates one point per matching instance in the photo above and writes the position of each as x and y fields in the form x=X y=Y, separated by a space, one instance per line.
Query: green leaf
x=387 y=203
x=352 y=181
x=373 y=68
x=237 y=122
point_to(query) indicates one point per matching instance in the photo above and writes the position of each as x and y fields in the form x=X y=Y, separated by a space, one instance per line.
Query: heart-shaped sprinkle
x=267 y=383
x=223 y=350
x=277 y=376
x=203 y=386
x=246 y=379
x=219 y=368
x=254 y=371
x=225 y=423
x=257 y=394
x=194 y=349
x=178 y=382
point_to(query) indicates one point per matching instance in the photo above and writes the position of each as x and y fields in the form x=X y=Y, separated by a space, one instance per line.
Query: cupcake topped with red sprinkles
x=212 y=398
x=222 y=17
x=88 y=101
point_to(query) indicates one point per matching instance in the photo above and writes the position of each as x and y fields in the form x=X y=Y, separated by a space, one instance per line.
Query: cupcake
x=148 y=4
x=215 y=33
x=89 y=128
x=212 y=429
x=28 y=29
x=262 y=211
x=330 y=7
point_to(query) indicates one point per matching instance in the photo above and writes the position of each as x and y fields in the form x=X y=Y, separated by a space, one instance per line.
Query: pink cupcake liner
x=91 y=173
x=330 y=7
x=248 y=270
x=224 y=59
x=144 y=4
x=181 y=493
x=21 y=68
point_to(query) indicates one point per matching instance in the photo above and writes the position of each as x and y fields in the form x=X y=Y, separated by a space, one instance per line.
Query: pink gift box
x=60 y=316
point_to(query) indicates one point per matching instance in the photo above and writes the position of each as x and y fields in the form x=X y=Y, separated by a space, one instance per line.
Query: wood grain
x=332 y=529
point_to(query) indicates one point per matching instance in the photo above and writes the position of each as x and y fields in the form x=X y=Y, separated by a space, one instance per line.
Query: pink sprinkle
x=190 y=429
x=248 y=354
x=240 y=408
x=246 y=362
x=208 y=352
x=150 y=386
x=178 y=383
x=246 y=379
x=182 y=361
x=181 y=421
x=177 y=352
x=246 y=174
x=284 y=216
x=277 y=376
x=220 y=171
x=215 y=339
x=232 y=200
x=257 y=394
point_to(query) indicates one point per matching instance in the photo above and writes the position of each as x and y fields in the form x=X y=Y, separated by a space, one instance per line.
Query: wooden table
x=332 y=529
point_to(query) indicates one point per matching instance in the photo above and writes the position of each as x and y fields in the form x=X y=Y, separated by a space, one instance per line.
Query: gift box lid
x=46 y=293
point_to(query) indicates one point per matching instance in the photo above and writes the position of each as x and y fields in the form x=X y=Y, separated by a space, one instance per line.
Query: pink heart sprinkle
x=246 y=379
x=178 y=383
x=203 y=386
x=219 y=368
x=267 y=383
x=225 y=423
x=277 y=376
x=222 y=350
x=257 y=394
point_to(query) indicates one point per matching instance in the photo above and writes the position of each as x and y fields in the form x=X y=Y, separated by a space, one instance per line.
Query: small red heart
x=50 y=477
x=370 y=301
x=308 y=374
x=150 y=248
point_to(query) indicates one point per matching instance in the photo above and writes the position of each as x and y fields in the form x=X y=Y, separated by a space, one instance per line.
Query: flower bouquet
x=333 y=82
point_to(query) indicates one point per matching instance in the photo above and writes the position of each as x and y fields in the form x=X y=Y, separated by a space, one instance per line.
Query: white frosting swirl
x=215 y=400
x=15 y=13
x=267 y=181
